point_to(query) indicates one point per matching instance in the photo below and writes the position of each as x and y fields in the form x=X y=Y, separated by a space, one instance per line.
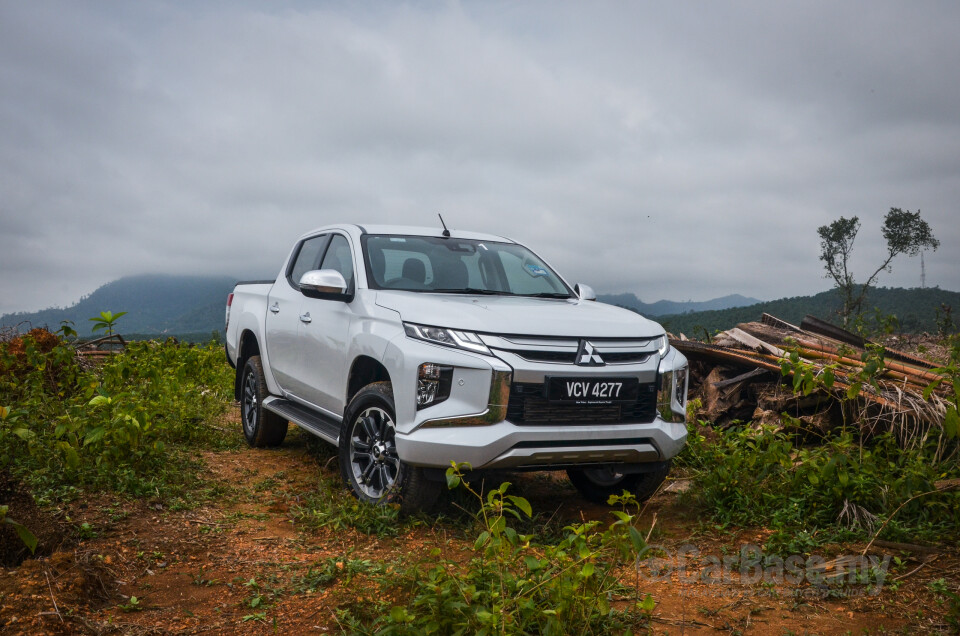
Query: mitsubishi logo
x=587 y=355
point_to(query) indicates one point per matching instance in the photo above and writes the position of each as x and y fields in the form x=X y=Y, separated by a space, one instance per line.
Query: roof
x=409 y=230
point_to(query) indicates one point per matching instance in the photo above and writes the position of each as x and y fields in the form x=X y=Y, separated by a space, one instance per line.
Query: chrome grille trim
x=563 y=351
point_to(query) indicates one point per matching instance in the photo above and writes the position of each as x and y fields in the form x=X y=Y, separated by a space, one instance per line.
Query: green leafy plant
x=87 y=531
x=807 y=377
x=330 y=506
x=514 y=586
x=125 y=425
x=874 y=364
x=133 y=605
x=106 y=320
x=951 y=376
x=326 y=571
x=29 y=539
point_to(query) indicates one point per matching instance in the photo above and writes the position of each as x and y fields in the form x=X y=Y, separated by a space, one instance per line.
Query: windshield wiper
x=494 y=292
x=471 y=290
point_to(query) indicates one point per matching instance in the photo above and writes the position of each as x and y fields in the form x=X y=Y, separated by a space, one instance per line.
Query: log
x=817 y=326
x=753 y=342
x=743 y=377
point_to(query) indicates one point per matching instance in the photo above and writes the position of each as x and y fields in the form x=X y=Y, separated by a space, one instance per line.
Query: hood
x=517 y=315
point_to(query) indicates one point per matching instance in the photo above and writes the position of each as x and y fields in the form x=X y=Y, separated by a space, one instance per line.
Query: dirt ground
x=239 y=562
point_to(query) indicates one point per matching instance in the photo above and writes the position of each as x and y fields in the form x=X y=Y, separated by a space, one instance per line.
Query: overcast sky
x=674 y=150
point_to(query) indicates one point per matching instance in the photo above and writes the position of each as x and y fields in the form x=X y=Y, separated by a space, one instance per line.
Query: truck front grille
x=528 y=405
x=570 y=357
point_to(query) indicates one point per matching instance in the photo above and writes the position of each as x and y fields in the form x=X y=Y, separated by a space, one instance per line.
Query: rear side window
x=340 y=258
x=308 y=258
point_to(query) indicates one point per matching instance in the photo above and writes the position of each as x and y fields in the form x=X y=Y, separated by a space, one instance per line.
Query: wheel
x=260 y=426
x=597 y=484
x=369 y=462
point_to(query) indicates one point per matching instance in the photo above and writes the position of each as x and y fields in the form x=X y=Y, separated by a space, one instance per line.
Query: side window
x=340 y=258
x=308 y=258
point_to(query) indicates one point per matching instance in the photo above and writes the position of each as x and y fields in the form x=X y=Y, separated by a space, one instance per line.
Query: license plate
x=593 y=390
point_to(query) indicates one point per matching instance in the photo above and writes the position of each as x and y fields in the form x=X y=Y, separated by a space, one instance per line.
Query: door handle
x=305 y=317
x=275 y=308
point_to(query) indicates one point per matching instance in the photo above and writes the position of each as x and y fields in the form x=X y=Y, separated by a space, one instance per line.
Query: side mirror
x=585 y=292
x=325 y=284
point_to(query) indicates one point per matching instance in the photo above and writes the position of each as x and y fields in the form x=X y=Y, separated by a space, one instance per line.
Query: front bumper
x=475 y=426
x=507 y=445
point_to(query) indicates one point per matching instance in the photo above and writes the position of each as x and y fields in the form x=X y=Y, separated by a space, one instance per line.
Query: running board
x=320 y=425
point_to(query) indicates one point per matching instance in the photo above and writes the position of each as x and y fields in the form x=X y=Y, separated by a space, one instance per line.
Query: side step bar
x=322 y=426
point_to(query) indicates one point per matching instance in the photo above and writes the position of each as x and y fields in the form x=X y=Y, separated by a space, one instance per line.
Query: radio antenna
x=446 y=232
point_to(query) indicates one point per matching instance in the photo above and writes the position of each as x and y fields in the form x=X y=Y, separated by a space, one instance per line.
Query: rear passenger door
x=283 y=314
x=324 y=334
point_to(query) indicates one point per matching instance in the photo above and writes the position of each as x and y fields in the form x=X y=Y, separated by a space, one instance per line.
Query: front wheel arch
x=369 y=463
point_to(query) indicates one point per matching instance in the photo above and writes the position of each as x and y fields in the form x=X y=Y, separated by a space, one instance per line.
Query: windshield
x=458 y=266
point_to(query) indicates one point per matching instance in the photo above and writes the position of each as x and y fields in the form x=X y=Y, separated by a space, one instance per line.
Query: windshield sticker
x=535 y=270
x=395 y=239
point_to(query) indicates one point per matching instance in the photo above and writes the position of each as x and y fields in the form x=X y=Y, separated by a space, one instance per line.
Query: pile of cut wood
x=750 y=372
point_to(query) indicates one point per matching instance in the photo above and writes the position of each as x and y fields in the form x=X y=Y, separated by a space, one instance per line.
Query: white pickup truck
x=410 y=348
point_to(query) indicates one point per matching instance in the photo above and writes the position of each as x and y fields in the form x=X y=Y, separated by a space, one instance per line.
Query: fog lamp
x=433 y=384
x=672 y=395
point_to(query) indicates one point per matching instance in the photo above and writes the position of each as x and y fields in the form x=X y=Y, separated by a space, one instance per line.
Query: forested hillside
x=666 y=307
x=155 y=304
x=915 y=310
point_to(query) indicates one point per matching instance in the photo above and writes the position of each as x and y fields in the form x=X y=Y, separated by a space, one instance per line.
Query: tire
x=260 y=427
x=369 y=463
x=597 y=484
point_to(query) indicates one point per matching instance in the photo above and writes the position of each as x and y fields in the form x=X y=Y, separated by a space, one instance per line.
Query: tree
x=905 y=233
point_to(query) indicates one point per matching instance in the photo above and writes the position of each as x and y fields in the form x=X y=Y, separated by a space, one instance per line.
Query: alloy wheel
x=373 y=453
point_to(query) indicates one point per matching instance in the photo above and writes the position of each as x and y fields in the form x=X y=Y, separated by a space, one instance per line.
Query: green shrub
x=842 y=488
x=116 y=426
x=513 y=586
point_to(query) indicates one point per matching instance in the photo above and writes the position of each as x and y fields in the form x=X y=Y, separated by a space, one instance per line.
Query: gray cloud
x=679 y=151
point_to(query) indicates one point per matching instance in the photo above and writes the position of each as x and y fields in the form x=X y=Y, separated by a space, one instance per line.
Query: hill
x=157 y=304
x=667 y=307
x=191 y=307
x=915 y=310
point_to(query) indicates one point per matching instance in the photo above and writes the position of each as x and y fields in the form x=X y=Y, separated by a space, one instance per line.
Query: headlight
x=663 y=345
x=447 y=337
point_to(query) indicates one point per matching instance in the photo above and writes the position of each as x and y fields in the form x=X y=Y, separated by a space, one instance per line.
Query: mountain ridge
x=161 y=304
x=669 y=307
x=156 y=304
